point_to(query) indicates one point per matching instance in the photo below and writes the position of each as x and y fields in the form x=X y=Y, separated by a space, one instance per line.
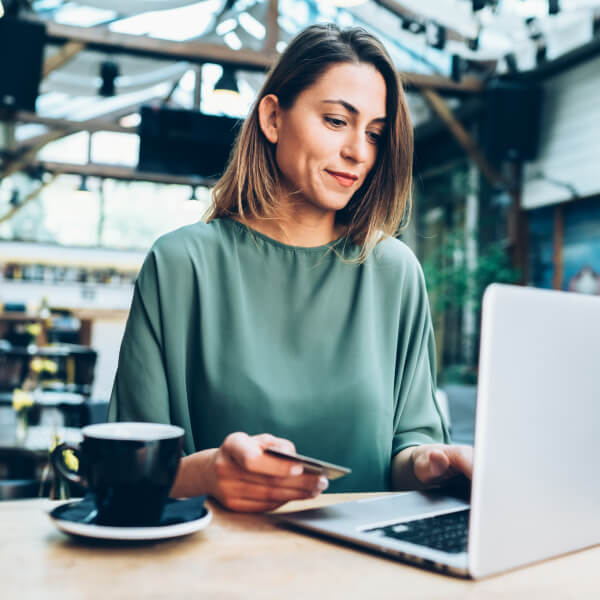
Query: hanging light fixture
x=193 y=204
x=109 y=71
x=83 y=191
x=1 y=9
x=413 y=25
x=458 y=67
x=435 y=35
x=227 y=84
x=511 y=62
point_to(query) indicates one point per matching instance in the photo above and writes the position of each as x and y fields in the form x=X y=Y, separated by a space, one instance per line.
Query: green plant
x=453 y=283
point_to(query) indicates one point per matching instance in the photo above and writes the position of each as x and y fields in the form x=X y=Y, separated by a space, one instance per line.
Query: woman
x=293 y=310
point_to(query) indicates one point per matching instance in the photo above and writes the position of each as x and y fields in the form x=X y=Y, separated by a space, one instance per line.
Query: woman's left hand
x=435 y=463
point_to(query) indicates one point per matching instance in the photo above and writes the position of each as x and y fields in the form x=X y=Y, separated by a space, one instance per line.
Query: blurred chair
x=18 y=474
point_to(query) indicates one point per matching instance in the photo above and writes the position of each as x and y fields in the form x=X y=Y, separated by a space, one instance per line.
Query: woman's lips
x=344 y=180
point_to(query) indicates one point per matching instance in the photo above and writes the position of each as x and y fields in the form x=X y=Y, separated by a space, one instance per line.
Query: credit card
x=311 y=465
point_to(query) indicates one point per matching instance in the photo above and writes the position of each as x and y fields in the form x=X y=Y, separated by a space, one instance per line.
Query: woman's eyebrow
x=352 y=109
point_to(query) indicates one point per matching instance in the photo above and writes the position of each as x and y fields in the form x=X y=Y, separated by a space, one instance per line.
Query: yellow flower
x=70 y=460
x=55 y=441
x=21 y=400
x=50 y=366
x=38 y=365
x=33 y=329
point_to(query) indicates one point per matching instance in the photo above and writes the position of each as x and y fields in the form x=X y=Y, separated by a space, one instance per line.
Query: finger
x=229 y=470
x=248 y=454
x=307 y=483
x=429 y=464
x=439 y=463
x=265 y=493
x=266 y=440
x=251 y=506
x=461 y=458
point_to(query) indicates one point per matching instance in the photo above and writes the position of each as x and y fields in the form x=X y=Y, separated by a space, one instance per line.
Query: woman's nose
x=356 y=147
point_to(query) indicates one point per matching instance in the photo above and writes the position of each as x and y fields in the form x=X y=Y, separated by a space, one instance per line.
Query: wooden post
x=517 y=231
x=270 y=47
x=198 y=88
x=559 y=236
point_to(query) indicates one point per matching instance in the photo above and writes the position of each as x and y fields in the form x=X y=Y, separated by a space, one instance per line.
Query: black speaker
x=185 y=142
x=21 y=57
x=512 y=120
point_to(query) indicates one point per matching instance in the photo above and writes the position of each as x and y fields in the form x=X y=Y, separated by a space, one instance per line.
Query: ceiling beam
x=99 y=38
x=465 y=140
x=122 y=173
x=103 y=124
x=398 y=9
x=200 y=52
x=25 y=159
x=28 y=149
x=416 y=81
x=15 y=209
x=63 y=56
x=106 y=122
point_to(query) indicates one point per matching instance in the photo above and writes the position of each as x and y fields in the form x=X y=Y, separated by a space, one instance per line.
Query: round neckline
x=272 y=241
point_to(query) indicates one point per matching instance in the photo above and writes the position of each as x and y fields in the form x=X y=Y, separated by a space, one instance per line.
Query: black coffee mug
x=129 y=469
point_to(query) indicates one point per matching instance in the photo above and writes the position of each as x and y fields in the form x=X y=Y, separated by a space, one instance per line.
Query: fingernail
x=323 y=483
x=297 y=470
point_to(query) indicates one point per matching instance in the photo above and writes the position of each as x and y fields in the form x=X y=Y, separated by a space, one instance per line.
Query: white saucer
x=105 y=532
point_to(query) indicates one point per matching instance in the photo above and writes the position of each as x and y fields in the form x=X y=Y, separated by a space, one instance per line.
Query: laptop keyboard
x=447 y=532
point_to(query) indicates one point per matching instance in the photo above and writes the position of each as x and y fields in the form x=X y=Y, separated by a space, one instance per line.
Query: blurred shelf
x=20 y=316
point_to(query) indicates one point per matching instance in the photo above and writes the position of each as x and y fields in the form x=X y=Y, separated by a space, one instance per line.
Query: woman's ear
x=268 y=117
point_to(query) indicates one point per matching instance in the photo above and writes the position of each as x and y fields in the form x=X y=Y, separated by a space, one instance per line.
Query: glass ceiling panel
x=82 y=16
x=72 y=149
x=72 y=90
x=176 y=24
x=112 y=148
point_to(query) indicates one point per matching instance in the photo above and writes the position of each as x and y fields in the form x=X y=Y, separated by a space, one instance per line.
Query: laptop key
x=447 y=532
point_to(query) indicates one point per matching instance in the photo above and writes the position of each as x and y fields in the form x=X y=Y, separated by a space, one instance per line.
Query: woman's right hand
x=243 y=478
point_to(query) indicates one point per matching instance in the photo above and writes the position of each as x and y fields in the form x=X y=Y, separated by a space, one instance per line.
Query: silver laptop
x=536 y=485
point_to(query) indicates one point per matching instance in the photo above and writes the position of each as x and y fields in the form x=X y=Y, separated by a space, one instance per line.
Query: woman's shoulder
x=186 y=240
x=398 y=270
x=396 y=254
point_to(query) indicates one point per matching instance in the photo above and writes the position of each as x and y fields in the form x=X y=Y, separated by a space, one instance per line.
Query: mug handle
x=58 y=462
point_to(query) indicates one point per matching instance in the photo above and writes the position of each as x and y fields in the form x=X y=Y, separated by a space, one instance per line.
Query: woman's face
x=327 y=142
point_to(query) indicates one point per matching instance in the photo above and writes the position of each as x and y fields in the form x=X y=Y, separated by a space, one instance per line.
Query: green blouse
x=230 y=330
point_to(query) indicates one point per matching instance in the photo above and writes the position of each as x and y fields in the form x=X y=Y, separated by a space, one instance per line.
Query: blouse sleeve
x=417 y=416
x=140 y=391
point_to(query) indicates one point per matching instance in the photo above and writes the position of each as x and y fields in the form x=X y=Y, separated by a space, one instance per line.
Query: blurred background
x=116 y=118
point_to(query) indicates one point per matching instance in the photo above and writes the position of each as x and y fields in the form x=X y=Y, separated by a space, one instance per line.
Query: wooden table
x=247 y=556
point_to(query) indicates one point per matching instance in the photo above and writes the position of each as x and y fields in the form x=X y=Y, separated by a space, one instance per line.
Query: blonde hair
x=250 y=182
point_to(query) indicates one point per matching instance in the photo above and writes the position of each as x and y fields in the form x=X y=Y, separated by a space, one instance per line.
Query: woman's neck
x=295 y=227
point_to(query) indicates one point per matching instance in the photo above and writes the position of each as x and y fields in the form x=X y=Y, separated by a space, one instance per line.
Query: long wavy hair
x=249 y=186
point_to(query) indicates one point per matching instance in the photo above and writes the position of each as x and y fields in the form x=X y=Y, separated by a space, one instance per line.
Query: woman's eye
x=335 y=122
x=374 y=137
